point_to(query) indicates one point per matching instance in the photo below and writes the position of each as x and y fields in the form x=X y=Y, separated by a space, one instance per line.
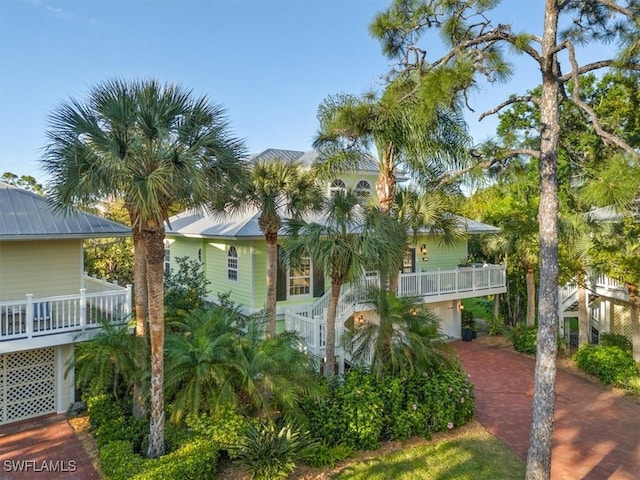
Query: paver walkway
x=44 y=448
x=596 y=433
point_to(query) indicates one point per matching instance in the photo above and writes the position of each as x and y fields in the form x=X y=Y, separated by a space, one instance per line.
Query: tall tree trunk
x=332 y=310
x=583 y=314
x=141 y=300
x=634 y=307
x=386 y=188
x=272 y=273
x=539 y=455
x=531 y=296
x=154 y=248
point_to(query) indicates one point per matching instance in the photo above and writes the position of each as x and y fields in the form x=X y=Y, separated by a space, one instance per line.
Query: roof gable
x=25 y=215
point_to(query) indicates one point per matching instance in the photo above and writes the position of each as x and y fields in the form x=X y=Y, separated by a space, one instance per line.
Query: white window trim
x=310 y=277
x=342 y=187
x=361 y=191
x=230 y=268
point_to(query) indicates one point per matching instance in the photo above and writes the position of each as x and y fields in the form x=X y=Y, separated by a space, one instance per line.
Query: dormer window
x=337 y=186
x=363 y=189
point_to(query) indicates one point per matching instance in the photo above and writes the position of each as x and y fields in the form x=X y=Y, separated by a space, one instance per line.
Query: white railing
x=40 y=316
x=310 y=321
x=460 y=280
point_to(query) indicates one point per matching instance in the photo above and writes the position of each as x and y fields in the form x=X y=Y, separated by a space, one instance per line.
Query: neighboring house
x=232 y=251
x=46 y=301
x=607 y=299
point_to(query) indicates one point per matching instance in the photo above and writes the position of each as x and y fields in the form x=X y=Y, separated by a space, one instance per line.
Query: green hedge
x=616 y=340
x=610 y=364
x=361 y=411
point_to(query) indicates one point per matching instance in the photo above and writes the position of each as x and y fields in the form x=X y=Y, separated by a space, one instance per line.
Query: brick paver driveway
x=596 y=433
x=44 y=448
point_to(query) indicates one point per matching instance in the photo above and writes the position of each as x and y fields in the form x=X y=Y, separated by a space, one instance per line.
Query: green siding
x=439 y=256
x=43 y=268
x=250 y=290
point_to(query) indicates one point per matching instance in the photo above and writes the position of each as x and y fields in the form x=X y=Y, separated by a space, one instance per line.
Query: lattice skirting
x=27 y=384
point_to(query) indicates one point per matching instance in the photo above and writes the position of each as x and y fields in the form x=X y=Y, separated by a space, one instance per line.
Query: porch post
x=28 y=321
x=83 y=308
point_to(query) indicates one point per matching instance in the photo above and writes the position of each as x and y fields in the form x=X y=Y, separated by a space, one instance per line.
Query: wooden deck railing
x=39 y=316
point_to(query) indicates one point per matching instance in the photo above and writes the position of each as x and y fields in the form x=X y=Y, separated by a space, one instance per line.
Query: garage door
x=27 y=384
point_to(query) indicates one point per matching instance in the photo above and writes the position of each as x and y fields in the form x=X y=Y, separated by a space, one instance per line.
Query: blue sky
x=268 y=62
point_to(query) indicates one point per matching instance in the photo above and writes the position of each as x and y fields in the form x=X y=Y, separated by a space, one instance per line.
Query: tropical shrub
x=616 y=340
x=609 y=364
x=362 y=410
x=269 y=450
x=226 y=429
x=524 y=339
x=111 y=420
x=118 y=461
x=195 y=460
x=186 y=288
x=324 y=455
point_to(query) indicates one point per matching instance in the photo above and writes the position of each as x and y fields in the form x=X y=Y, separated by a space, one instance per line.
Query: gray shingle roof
x=25 y=215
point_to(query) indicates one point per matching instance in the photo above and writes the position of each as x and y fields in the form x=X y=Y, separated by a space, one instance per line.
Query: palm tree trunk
x=539 y=454
x=634 y=307
x=154 y=248
x=332 y=310
x=531 y=296
x=141 y=300
x=583 y=315
x=272 y=272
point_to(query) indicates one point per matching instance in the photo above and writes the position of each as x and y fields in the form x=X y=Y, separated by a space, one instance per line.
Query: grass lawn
x=469 y=452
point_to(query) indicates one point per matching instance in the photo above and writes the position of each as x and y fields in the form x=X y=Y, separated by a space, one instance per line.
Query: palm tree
x=155 y=146
x=198 y=361
x=404 y=338
x=350 y=240
x=419 y=212
x=278 y=189
x=271 y=376
x=108 y=359
x=406 y=136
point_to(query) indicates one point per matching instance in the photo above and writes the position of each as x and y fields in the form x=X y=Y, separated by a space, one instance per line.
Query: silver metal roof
x=475 y=227
x=201 y=224
x=27 y=216
x=306 y=158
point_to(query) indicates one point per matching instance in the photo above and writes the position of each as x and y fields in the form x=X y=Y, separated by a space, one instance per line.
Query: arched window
x=363 y=188
x=199 y=255
x=337 y=186
x=232 y=263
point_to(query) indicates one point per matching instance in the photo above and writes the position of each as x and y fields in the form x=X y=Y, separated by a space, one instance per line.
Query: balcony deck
x=36 y=322
x=431 y=286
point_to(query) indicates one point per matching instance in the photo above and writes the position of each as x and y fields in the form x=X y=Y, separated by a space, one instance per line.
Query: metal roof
x=475 y=227
x=26 y=216
x=369 y=163
x=201 y=224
